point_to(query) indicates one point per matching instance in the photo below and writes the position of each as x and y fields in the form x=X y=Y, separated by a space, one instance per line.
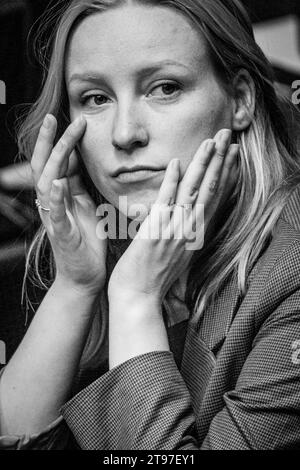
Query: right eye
x=95 y=100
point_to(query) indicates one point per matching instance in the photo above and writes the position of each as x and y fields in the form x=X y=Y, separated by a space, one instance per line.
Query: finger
x=60 y=222
x=57 y=164
x=210 y=182
x=77 y=186
x=189 y=186
x=73 y=166
x=181 y=222
x=210 y=199
x=43 y=146
x=223 y=140
x=80 y=194
x=229 y=173
x=196 y=233
x=83 y=204
x=161 y=211
x=189 y=190
x=168 y=189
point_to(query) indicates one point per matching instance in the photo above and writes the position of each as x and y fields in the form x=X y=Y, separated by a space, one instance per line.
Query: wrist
x=131 y=297
x=136 y=327
x=67 y=288
x=134 y=311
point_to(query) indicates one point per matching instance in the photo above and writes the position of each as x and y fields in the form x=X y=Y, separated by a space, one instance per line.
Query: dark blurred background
x=277 y=29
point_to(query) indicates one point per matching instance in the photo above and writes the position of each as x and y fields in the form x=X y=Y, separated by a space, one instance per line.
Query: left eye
x=168 y=89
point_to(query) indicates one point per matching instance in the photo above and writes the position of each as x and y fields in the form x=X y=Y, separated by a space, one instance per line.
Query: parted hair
x=269 y=165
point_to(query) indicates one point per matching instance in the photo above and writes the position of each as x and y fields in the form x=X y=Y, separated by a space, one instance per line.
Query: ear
x=243 y=100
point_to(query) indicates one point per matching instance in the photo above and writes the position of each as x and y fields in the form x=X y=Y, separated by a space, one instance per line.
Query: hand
x=150 y=265
x=71 y=223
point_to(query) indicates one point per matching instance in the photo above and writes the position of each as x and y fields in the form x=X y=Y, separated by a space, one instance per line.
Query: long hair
x=269 y=167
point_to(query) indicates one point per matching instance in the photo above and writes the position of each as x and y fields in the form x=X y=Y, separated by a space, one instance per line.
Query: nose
x=129 y=129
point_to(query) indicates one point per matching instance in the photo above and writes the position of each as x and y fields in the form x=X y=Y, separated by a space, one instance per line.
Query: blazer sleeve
x=141 y=404
x=144 y=402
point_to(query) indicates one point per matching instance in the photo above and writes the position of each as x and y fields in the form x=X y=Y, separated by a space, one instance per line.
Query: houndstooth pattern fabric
x=233 y=384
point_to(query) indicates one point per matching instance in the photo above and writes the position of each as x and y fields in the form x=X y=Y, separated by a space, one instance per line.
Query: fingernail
x=175 y=163
x=223 y=140
x=226 y=136
x=47 y=121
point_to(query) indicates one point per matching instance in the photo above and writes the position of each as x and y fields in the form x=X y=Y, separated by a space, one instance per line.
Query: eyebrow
x=91 y=76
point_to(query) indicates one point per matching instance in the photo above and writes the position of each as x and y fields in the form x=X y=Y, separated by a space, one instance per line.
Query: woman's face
x=143 y=79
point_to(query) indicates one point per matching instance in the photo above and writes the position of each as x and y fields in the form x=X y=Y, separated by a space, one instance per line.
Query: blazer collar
x=214 y=325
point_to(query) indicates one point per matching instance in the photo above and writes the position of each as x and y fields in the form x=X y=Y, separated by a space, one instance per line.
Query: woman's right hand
x=72 y=226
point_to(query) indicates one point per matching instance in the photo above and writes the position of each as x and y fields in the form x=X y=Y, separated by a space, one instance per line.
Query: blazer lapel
x=214 y=324
x=205 y=337
x=197 y=366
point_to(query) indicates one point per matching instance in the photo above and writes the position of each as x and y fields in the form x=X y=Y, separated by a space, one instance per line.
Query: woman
x=190 y=348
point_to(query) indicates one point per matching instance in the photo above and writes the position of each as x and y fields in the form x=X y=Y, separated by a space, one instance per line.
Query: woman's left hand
x=162 y=249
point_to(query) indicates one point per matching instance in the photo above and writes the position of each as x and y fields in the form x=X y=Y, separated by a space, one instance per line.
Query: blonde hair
x=269 y=161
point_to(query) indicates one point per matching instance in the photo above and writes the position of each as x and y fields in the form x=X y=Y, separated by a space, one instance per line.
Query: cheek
x=94 y=150
x=200 y=118
x=93 y=146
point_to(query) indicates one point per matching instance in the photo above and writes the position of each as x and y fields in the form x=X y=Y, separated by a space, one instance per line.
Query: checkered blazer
x=231 y=380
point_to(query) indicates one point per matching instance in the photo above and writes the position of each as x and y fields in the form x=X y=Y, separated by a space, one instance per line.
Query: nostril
x=131 y=143
x=129 y=147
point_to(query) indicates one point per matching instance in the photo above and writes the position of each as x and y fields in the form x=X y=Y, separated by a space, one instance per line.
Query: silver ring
x=39 y=206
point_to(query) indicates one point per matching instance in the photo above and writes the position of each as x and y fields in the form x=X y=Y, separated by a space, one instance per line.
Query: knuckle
x=194 y=190
x=203 y=165
x=220 y=155
x=87 y=205
x=188 y=193
x=59 y=147
x=221 y=191
x=213 y=187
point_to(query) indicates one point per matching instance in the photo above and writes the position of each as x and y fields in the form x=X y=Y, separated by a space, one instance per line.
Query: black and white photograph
x=150 y=228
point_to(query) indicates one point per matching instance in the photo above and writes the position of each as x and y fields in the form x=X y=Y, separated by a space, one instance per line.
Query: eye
x=167 y=88
x=94 y=100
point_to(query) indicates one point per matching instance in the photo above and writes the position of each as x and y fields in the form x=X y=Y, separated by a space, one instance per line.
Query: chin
x=135 y=208
x=139 y=209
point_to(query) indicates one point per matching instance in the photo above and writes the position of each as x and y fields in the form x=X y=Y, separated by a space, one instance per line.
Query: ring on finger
x=184 y=206
x=40 y=206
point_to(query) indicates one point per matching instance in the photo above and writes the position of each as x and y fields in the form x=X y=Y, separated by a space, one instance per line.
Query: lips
x=135 y=169
x=135 y=176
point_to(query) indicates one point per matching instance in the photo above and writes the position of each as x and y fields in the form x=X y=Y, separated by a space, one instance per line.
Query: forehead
x=125 y=37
